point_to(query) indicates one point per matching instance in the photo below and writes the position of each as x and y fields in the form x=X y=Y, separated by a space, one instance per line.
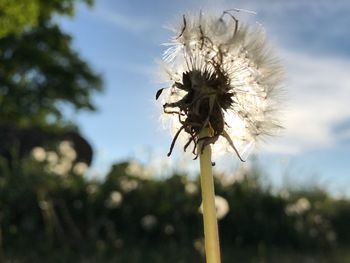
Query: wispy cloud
x=318 y=100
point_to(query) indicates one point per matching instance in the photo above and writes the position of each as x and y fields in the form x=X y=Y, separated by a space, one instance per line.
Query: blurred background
x=84 y=175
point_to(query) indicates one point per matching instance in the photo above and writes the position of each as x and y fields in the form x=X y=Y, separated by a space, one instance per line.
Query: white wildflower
x=52 y=158
x=66 y=150
x=62 y=168
x=299 y=207
x=227 y=180
x=198 y=244
x=128 y=185
x=191 y=188
x=285 y=194
x=222 y=207
x=136 y=169
x=115 y=199
x=222 y=77
x=169 y=229
x=80 y=168
x=303 y=204
x=39 y=154
x=92 y=189
x=148 y=222
x=44 y=205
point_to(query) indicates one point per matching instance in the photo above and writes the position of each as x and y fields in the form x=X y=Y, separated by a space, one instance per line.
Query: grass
x=172 y=253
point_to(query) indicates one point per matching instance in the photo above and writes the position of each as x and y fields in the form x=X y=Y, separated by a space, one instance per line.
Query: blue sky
x=122 y=40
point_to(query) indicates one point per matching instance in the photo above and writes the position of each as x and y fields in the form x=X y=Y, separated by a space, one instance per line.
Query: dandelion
x=67 y=151
x=223 y=78
x=169 y=229
x=44 y=205
x=115 y=199
x=52 y=157
x=148 y=222
x=284 y=194
x=64 y=146
x=135 y=169
x=39 y=154
x=301 y=206
x=80 y=168
x=191 y=188
x=237 y=177
x=221 y=205
x=92 y=189
x=223 y=91
x=60 y=167
x=128 y=185
x=198 y=245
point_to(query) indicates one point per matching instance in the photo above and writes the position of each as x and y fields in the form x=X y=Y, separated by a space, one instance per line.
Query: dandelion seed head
x=148 y=222
x=66 y=150
x=169 y=229
x=301 y=206
x=61 y=168
x=39 y=154
x=52 y=157
x=137 y=170
x=44 y=205
x=191 y=188
x=223 y=78
x=198 y=244
x=80 y=168
x=115 y=200
x=92 y=189
x=128 y=185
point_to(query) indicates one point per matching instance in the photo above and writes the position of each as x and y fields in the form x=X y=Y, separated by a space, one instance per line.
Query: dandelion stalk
x=211 y=234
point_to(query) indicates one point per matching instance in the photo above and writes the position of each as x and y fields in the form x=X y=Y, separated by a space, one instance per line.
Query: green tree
x=40 y=72
x=15 y=15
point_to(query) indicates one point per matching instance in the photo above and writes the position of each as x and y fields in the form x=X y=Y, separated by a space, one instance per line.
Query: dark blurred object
x=20 y=141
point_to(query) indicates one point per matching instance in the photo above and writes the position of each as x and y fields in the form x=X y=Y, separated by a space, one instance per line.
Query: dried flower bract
x=223 y=79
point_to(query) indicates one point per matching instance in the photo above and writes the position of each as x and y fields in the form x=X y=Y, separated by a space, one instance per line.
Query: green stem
x=211 y=234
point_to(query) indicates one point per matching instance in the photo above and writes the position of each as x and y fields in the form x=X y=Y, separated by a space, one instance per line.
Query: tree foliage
x=40 y=72
x=62 y=7
x=132 y=218
x=17 y=15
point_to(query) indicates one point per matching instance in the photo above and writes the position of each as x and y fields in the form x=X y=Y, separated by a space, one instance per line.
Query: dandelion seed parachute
x=223 y=78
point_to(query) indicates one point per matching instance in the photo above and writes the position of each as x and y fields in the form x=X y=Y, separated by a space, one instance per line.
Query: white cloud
x=318 y=99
